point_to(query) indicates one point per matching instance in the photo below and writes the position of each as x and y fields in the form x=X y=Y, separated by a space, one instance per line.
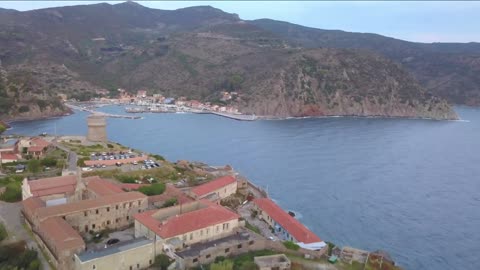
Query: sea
x=409 y=187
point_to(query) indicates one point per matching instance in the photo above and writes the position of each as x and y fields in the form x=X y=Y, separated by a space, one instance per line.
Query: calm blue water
x=411 y=187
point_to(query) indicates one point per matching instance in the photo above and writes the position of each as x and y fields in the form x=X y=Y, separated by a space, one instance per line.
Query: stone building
x=215 y=190
x=285 y=226
x=97 y=128
x=272 y=262
x=186 y=224
x=93 y=207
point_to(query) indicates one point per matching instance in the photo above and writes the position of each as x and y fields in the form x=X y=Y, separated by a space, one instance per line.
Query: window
x=86 y=228
x=130 y=205
x=251 y=242
x=108 y=209
x=184 y=238
x=191 y=236
x=208 y=256
x=93 y=226
x=201 y=232
x=208 y=230
x=150 y=262
x=131 y=267
x=139 y=203
x=128 y=218
x=138 y=266
x=85 y=213
x=227 y=250
x=108 y=222
x=94 y=267
x=218 y=228
x=96 y=211
x=63 y=217
x=239 y=246
x=195 y=260
x=116 y=207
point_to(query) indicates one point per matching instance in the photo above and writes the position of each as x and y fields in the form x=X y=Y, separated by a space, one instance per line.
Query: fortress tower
x=97 y=131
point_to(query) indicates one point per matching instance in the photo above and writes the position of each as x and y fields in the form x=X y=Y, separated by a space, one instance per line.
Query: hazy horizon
x=411 y=21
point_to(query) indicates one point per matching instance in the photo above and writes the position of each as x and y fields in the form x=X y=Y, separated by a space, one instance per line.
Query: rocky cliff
x=198 y=53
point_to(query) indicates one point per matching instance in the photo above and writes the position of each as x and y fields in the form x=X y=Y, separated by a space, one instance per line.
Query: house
x=216 y=189
x=141 y=93
x=6 y=157
x=186 y=224
x=36 y=147
x=285 y=226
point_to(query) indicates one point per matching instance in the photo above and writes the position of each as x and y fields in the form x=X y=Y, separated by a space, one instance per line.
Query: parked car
x=112 y=241
x=87 y=169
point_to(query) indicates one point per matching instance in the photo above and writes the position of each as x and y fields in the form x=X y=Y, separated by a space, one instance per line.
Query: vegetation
x=48 y=162
x=223 y=265
x=158 y=157
x=2 y=128
x=34 y=165
x=154 y=189
x=252 y=227
x=162 y=262
x=245 y=261
x=291 y=245
x=13 y=192
x=17 y=256
x=3 y=232
x=170 y=202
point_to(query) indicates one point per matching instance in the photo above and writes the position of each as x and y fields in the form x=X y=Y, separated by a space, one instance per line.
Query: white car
x=87 y=169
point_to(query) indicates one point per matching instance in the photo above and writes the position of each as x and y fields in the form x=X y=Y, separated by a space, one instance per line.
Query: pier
x=75 y=107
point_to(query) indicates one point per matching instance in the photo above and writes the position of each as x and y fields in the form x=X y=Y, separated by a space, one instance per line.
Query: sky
x=429 y=21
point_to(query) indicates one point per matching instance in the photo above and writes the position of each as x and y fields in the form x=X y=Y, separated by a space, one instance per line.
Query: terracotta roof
x=194 y=220
x=213 y=185
x=53 y=185
x=101 y=187
x=170 y=192
x=39 y=142
x=8 y=156
x=36 y=148
x=31 y=204
x=59 y=235
x=289 y=223
x=63 y=209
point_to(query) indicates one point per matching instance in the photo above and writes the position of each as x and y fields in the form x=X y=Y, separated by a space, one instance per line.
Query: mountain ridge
x=198 y=52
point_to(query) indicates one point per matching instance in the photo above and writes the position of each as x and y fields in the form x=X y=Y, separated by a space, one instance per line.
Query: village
x=88 y=203
x=143 y=102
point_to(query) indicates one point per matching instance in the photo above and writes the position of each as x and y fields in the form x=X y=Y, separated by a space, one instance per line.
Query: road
x=72 y=157
x=10 y=216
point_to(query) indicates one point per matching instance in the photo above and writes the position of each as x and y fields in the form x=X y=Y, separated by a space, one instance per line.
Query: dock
x=239 y=117
x=74 y=107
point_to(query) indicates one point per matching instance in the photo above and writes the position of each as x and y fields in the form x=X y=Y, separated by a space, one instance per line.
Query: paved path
x=10 y=216
x=72 y=156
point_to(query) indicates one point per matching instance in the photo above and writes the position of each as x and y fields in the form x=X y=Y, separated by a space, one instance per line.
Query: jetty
x=110 y=115
x=239 y=117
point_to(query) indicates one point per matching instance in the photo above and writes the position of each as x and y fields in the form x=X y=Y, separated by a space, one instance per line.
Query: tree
x=34 y=165
x=162 y=261
x=2 y=128
x=154 y=189
x=223 y=265
x=3 y=232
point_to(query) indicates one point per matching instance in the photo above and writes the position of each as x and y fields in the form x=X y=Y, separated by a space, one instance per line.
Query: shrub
x=170 y=202
x=126 y=178
x=158 y=157
x=49 y=162
x=154 y=189
x=81 y=162
x=291 y=245
x=109 y=145
x=3 y=232
x=13 y=192
x=34 y=165
x=223 y=265
x=23 y=109
x=162 y=261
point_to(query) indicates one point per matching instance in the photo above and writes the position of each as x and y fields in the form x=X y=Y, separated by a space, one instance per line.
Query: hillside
x=448 y=70
x=195 y=52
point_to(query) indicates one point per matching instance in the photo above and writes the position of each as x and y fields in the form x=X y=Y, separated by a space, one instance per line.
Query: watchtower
x=97 y=128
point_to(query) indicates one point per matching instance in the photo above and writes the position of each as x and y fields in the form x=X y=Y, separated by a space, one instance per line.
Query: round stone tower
x=97 y=131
